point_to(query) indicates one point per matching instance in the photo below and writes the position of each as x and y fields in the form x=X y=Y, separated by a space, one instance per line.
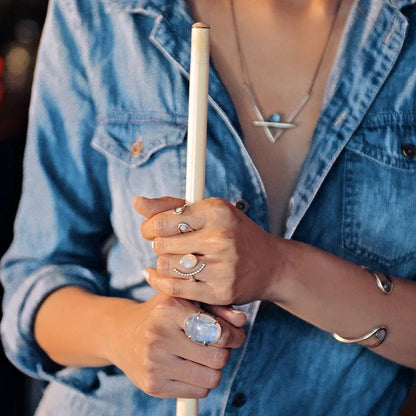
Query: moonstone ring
x=202 y=328
x=188 y=261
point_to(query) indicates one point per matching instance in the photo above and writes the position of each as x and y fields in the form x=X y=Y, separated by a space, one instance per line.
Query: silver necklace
x=274 y=121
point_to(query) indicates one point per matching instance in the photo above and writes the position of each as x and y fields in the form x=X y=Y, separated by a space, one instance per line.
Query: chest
x=281 y=60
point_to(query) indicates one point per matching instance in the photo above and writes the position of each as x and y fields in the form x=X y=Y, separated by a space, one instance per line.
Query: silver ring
x=202 y=328
x=183 y=227
x=191 y=275
x=180 y=210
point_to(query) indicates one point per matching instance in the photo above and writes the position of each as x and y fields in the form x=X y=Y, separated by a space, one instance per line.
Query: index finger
x=167 y=223
x=152 y=206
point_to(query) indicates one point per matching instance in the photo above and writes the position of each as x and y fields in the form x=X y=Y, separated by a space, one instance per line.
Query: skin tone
x=145 y=340
x=282 y=42
x=244 y=263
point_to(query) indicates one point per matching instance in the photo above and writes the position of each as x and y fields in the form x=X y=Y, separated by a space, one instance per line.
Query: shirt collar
x=403 y=3
x=160 y=4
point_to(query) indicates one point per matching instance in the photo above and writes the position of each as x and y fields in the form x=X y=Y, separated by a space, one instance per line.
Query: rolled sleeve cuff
x=17 y=326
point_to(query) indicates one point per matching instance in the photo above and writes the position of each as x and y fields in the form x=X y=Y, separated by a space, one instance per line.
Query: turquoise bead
x=275 y=118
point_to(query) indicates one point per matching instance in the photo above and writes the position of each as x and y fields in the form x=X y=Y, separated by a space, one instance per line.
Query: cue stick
x=197 y=143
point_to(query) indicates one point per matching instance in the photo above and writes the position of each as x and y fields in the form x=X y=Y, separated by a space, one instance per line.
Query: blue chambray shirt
x=112 y=73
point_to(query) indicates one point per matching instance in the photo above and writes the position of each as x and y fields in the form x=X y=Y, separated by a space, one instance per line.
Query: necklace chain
x=274 y=121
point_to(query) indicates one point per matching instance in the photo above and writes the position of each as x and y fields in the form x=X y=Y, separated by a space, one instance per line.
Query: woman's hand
x=240 y=258
x=152 y=349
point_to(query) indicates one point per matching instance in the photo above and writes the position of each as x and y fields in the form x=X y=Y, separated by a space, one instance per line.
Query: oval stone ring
x=202 y=328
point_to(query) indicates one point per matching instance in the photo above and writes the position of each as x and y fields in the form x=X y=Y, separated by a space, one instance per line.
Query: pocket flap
x=134 y=142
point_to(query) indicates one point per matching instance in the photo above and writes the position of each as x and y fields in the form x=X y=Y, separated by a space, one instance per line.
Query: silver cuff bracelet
x=384 y=283
x=379 y=333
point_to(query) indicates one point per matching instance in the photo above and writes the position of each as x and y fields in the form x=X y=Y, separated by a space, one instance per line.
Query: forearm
x=341 y=297
x=73 y=326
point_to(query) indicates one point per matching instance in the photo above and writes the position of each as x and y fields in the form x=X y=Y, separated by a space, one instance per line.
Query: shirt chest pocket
x=380 y=194
x=134 y=142
x=144 y=157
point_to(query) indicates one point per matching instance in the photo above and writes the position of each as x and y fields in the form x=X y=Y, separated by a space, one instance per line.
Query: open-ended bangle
x=384 y=283
x=379 y=333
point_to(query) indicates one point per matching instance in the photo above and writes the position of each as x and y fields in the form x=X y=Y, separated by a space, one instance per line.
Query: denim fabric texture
x=111 y=73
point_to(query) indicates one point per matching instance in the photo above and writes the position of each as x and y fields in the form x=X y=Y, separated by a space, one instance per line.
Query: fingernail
x=153 y=244
x=236 y=311
x=145 y=274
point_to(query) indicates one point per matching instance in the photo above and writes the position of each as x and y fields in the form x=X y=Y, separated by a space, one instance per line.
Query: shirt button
x=409 y=150
x=239 y=400
x=242 y=205
x=136 y=148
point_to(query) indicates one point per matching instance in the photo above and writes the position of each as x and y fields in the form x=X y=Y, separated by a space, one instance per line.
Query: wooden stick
x=197 y=143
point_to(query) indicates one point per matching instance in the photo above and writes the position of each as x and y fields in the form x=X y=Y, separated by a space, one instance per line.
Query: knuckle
x=203 y=393
x=159 y=245
x=214 y=379
x=159 y=224
x=163 y=264
x=224 y=297
x=218 y=203
x=225 y=339
x=236 y=338
x=150 y=386
x=220 y=358
x=225 y=239
x=148 y=364
x=144 y=229
x=174 y=289
x=159 y=312
x=155 y=245
x=223 y=209
x=150 y=341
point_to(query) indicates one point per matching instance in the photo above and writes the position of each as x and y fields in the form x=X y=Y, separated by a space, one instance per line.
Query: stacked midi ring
x=183 y=227
x=189 y=261
x=179 y=210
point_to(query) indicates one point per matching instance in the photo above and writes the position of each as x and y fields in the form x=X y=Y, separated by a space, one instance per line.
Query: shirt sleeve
x=63 y=219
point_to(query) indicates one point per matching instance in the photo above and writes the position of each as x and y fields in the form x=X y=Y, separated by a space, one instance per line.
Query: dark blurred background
x=20 y=26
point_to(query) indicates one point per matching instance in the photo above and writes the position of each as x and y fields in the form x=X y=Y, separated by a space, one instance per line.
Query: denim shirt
x=111 y=78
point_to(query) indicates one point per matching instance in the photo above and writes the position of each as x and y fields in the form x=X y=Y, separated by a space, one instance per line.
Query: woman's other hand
x=150 y=346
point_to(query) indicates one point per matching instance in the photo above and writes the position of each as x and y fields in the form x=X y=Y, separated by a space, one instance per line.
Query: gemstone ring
x=179 y=210
x=183 y=227
x=188 y=261
x=202 y=328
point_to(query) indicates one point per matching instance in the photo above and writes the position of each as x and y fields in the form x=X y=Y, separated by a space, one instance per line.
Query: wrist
x=112 y=326
x=287 y=254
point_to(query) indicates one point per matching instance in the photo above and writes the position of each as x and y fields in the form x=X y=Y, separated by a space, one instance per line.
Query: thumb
x=152 y=206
